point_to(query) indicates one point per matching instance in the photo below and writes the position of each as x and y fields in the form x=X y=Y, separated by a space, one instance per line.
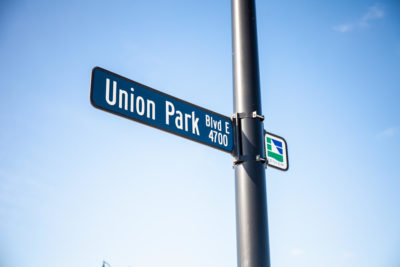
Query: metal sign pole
x=251 y=205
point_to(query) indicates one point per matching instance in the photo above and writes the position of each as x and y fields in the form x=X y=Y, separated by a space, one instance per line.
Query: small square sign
x=276 y=151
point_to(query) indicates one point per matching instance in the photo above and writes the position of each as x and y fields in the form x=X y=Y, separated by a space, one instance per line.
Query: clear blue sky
x=79 y=186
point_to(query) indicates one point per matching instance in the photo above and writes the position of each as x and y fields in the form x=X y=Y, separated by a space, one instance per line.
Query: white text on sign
x=216 y=135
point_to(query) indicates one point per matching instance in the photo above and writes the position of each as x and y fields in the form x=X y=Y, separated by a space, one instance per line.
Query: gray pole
x=251 y=205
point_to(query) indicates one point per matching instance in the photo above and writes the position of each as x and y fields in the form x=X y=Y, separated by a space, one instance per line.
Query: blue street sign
x=121 y=96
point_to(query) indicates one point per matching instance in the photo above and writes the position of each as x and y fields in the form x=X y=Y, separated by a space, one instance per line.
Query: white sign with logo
x=276 y=151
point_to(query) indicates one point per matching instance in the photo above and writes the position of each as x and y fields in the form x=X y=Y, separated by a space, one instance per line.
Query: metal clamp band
x=241 y=115
x=240 y=159
x=255 y=115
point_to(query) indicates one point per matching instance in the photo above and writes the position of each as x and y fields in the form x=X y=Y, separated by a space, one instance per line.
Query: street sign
x=276 y=151
x=118 y=95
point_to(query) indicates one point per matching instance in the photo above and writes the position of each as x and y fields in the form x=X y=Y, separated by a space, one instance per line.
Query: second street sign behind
x=121 y=96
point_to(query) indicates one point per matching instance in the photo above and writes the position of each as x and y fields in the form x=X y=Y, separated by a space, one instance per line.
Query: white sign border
x=285 y=148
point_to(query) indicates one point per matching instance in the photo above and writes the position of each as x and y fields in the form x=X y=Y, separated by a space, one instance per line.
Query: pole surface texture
x=251 y=205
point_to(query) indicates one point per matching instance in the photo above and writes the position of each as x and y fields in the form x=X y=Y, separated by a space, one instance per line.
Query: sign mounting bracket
x=239 y=157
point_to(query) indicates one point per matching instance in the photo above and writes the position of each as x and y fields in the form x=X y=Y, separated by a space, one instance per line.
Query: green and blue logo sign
x=276 y=151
